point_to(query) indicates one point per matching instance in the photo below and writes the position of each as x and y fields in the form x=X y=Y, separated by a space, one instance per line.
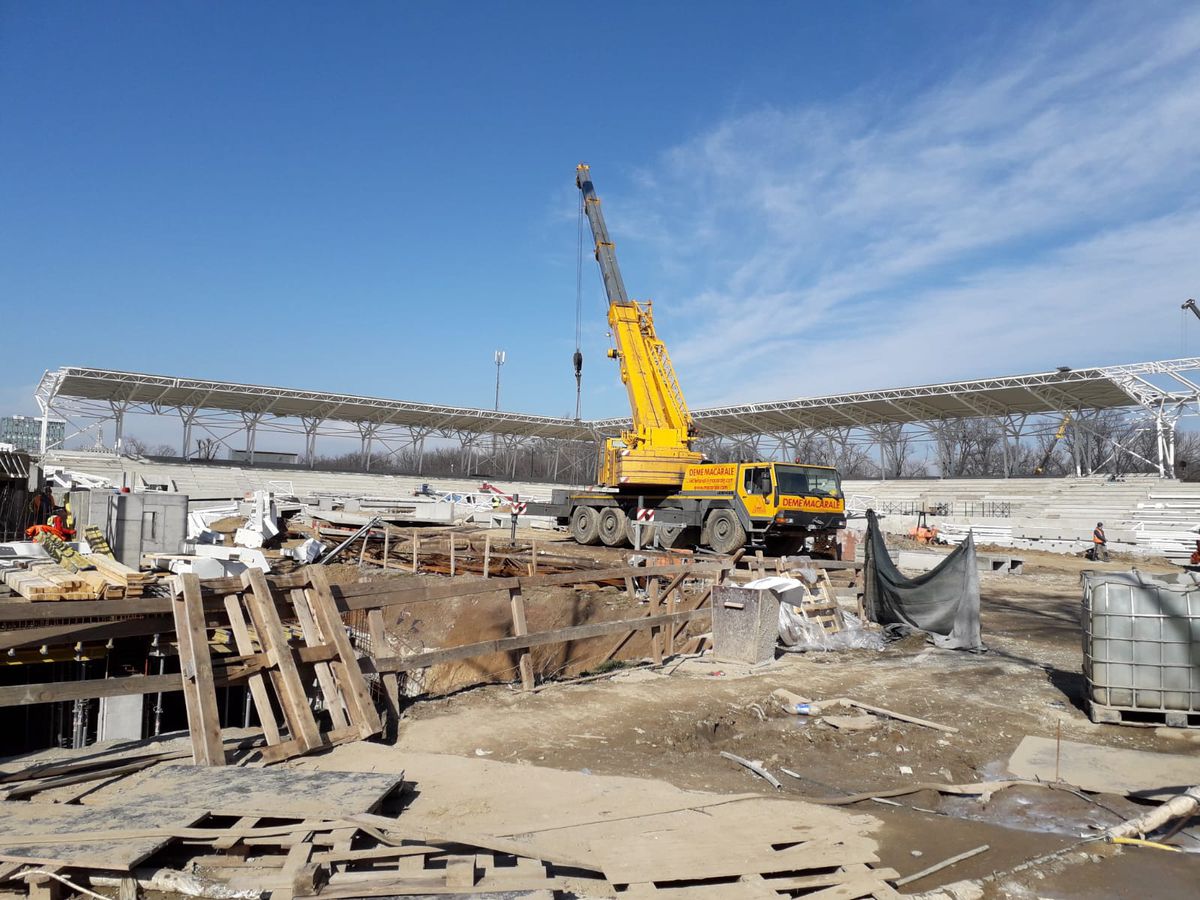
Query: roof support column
x=311 y=424
x=419 y=443
x=366 y=437
x=1077 y=433
x=188 y=415
x=251 y=421
x=118 y=410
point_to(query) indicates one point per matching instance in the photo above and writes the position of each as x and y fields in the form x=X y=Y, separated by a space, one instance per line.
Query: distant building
x=265 y=457
x=25 y=432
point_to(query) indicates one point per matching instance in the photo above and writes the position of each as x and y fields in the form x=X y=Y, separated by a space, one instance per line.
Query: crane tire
x=648 y=529
x=612 y=521
x=723 y=532
x=681 y=537
x=585 y=525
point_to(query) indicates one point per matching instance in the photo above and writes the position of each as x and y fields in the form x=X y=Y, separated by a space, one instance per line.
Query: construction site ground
x=672 y=723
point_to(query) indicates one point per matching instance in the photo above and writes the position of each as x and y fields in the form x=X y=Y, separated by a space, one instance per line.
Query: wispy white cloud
x=1040 y=207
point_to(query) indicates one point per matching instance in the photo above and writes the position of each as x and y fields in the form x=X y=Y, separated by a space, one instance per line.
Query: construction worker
x=1099 y=544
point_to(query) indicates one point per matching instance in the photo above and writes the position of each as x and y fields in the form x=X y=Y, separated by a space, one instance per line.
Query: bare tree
x=133 y=446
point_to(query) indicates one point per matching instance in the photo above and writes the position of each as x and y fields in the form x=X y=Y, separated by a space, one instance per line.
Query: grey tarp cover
x=944 y=603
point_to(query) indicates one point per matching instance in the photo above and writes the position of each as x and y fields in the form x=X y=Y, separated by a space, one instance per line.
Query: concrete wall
x=134 y=524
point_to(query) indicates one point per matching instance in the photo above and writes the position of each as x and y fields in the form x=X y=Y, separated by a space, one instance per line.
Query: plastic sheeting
x=943 y=603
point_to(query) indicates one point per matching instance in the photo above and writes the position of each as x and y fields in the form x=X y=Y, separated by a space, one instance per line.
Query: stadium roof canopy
x=1153 y=385
x=1110 y=387
x=155 y=393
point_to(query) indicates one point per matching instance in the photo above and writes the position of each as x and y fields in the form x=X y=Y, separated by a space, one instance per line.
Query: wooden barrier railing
x=665 y=586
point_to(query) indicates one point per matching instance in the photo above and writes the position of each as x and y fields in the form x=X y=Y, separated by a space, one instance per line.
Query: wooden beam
x=360 y=708
x=58 y=691
x=334 y=702
x=521 y=642
x=391 y=683
x=199 y=688
x=370 y=595
x=656 y=641
x=271 y=637
x=524 y=663
x=258 y=680
x=76 y=632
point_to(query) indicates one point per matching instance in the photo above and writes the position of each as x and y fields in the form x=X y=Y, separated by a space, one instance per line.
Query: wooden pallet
x=1146 y=718
x=276 y=672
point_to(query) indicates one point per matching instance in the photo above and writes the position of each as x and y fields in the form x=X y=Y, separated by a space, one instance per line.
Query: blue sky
x=373 y=197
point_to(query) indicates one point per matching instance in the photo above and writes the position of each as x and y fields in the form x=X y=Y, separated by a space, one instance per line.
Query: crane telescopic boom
x=657 y=449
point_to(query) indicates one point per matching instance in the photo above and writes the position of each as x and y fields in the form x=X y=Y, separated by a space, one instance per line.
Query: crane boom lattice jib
x=657 y=450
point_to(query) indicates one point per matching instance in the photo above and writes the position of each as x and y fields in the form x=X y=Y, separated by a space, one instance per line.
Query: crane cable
x=577 y=357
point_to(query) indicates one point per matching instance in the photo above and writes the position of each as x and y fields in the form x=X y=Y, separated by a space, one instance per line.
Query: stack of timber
x=117 y=573
x=43 y=580
x=48 y=581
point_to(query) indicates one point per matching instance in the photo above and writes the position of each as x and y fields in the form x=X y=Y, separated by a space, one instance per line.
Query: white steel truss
x=90 y=399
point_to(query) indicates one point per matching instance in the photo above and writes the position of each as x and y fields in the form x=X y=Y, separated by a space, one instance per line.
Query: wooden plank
x=334 y=703
x=389 y=680
x=347 y=855
x=359 y=705
x=288 y=749
x=50 y=635
x=257 y=681
x=271 y=636
x=30 y=788
x=656 y=640
x=199 y=689
x=234 y=835
x=524 y=663
x=41 y=834
x=365 y=595
x=520 y=642
x=125 y=686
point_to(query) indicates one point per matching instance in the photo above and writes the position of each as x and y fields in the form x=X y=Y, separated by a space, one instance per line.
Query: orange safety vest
x=1098 y=537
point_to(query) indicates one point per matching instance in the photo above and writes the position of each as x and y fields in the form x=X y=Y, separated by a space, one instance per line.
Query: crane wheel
x=723 y=532
x=676 y=537
x=612 y=526
x=585 y=525
x=648 y=531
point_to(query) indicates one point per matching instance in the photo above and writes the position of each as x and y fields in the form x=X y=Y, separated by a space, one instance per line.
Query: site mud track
x=673 y=723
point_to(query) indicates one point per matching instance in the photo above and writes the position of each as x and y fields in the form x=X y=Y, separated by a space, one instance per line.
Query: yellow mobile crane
x=652 y=476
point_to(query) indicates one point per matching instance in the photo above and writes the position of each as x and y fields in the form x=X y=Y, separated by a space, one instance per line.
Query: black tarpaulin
x=944 y=603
